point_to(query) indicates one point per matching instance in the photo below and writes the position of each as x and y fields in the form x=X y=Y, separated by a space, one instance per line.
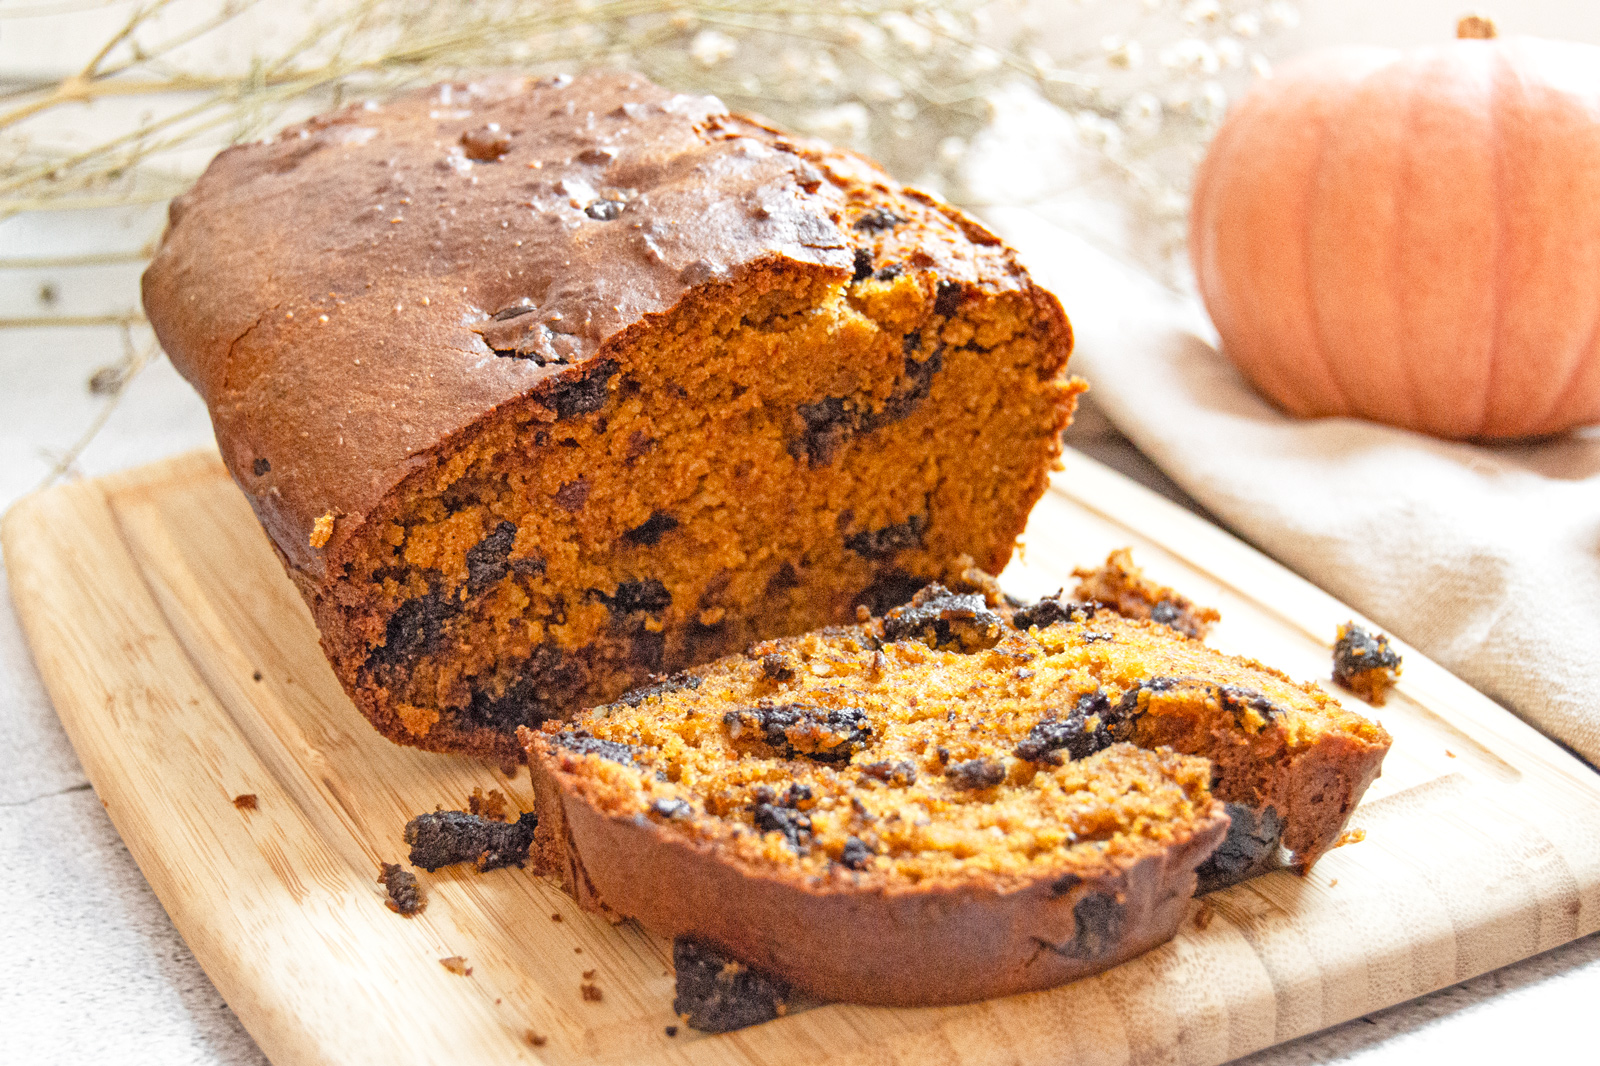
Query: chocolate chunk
x=405 y=895
x=1127 y=708
x=877 y=219
x=547 y=679
x=1166 y=613
x=919 y=382
x=716 y=994
x=604 y=210
x=823 y=734
x=1250 y=848
x=675 y=683
x=581 y=742
x=1050 y=610
x=794 y=825
x=487 y=560
x=948 y=298
x=444 y=838
x=648 y=595
x=1086 y=729
x=891 y=539
x=672 y=807
x=260 y=467
x=827 y=425
x=570 y=397
x=975 y=773
x=863 y=265
x=898 y=772
x=1237 y=700
x=415 y=626
x=889 y=589
x=652 y=529
x=940 y=618
x=830 y=421
x=855 y=855
x=1100 y=920
x=782 y=580
x=1364 y=663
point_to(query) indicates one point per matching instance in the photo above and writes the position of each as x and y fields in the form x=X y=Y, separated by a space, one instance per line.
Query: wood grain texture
x=186 y=671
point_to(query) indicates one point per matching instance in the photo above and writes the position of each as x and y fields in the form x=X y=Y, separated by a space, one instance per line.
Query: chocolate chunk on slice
x=942 y=619
x=444 y=838
x=717 y=994
x=1050 y=610
x=826 y=734
x=976 y=773
x=1250 y=848
x=1088 y=728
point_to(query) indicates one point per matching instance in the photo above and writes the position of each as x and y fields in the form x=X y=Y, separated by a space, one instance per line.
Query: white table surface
x=91 y=968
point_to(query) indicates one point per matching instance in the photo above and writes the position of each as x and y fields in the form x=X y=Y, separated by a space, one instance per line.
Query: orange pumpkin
x=1413 y=238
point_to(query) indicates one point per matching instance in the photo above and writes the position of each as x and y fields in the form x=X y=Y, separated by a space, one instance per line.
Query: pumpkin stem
x=1476 y=27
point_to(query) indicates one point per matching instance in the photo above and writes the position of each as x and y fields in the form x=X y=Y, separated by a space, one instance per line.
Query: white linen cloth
x=1485 y=557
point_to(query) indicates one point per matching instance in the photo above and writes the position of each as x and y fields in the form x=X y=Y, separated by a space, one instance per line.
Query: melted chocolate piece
x=444 y=838
x=940 y=618
x=885 y=543
x=1050 y=610
x=823 y=734
x=487 y=560
x=675 y=683
x=581 y=742
x=975 y=773
x=652 y=529
x=716 y=994
x=1088 y=728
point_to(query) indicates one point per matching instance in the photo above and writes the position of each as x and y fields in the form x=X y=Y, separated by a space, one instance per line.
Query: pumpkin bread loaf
x=969 y=806
x=541 y=387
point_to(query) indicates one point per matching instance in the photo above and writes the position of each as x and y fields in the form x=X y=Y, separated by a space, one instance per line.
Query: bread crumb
x=1333 y=882
x=491 y=806
x=591 y=992
x=672 y=1030
x=1449 y=754
x=1350 y=836
x=588 y=975
x=555 y=917
x=321 y=530
x=245 y=801
x=456 y=964
x=534 y=1039
x=405 y=895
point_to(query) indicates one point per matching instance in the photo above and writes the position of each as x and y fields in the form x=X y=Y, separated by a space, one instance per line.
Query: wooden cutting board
x=186 y=671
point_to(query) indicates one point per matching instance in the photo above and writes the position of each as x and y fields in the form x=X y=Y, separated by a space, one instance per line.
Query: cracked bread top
x=353 y=294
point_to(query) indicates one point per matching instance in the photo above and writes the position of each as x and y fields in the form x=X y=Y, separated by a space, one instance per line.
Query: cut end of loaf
x=780 y=449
